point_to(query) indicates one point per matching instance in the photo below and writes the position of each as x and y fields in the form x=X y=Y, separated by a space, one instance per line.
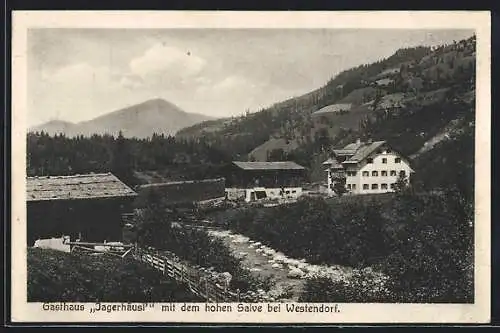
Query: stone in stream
x=295 y=273
x=277 y=266
x=302 y=266
x=269 y=252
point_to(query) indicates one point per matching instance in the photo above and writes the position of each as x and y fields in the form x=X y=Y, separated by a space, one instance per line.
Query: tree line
x=61 y=155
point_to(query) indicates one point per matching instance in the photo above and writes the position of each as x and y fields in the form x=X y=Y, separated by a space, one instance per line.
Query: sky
x=79 y=74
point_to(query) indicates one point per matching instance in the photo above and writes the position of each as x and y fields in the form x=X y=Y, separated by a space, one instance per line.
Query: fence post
x=238 y=294
x=206 y=289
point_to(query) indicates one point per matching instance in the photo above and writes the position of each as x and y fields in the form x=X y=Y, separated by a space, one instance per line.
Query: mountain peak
x=140 y=120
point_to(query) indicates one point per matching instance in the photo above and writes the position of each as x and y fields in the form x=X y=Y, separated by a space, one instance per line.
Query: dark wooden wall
x=96 y=219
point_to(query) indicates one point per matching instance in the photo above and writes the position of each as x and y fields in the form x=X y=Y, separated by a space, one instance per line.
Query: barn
x=91 y=207
x=258 y=180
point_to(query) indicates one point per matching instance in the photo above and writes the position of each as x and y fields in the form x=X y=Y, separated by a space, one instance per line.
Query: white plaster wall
x=272 y=193
x=379 y=166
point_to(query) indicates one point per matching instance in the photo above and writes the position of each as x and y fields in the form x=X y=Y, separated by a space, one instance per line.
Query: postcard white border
x=479 y=312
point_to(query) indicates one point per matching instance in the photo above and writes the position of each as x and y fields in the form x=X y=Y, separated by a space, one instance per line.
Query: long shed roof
x=284 y=165
x=88 y=186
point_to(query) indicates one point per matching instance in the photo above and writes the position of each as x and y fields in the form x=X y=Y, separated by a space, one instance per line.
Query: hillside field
x=55 y=276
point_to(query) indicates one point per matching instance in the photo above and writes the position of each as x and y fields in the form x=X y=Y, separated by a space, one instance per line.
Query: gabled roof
x=332 y=163
x=285 y=165
x=183 y=182
x=356 y=152
x=88 y=186
x=348 y=150
x=364 y=151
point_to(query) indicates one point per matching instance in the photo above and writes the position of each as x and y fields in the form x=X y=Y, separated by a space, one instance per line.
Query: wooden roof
x=88 y=186
x=284 y=165
x=356 y=152
x=365 y=150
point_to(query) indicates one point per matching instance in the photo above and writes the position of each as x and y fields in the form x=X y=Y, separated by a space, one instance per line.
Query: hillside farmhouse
x=366 y=167
x=334 y=108
x=259 y=180
x=92 y=207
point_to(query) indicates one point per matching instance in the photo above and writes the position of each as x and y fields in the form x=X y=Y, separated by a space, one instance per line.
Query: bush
x=315 y=230
x=424 y=242
x=362 y=287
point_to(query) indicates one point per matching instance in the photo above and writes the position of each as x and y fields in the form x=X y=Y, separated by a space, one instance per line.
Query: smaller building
x=333 y=108
x=366 y=168
x=252 y=181
x=91 y=207
x=390 y=72
x=384 y=82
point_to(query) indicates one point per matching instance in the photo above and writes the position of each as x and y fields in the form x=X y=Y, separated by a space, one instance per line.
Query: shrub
x=424 y=242
x=361 y=287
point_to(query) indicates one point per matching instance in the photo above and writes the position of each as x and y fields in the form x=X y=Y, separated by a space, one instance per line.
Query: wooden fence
x=200 y=283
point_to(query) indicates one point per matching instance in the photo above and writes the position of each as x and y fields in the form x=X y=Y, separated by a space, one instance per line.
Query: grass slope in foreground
x=63 y=277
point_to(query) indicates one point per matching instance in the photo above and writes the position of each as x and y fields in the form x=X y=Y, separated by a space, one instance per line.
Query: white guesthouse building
x=368 y=167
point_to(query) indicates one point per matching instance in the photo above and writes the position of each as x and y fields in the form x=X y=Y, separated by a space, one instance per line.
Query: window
x=393 y=172
x=366 y=173
x=383 y=186
x=260 y=194
x=402 y=173
x=384 y=173
x=384 y=160
x=397 y=160
x=374 y=186
x=353 y=186
x=369 y=160
x=393 y=185
x=348 y=186
x=365 y=187
x=374 y=173
x=351 y=173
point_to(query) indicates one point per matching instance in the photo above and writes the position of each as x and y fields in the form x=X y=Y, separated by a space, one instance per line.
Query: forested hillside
x=409 y=99
x=420 y=100
x=416 y=74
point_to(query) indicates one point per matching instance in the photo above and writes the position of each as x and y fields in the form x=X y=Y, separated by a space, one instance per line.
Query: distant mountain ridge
x=141 y=121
